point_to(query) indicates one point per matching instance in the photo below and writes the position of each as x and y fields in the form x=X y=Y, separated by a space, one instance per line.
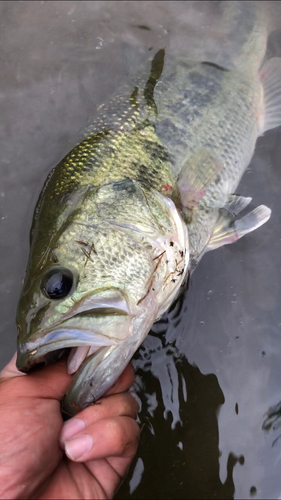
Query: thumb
x=50 y=382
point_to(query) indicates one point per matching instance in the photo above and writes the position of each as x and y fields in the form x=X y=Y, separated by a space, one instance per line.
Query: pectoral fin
x=201 y=169
x=229 y=230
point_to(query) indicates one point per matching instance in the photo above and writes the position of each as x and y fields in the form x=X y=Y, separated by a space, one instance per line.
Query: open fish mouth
x=48 y=353
x=77 y=338
x=96 y=359
x=84 y=352
x=96 y=321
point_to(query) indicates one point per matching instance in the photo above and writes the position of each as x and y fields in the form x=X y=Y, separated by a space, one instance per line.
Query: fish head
x=115 y=264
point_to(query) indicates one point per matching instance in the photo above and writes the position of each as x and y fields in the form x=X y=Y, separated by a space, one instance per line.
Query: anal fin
x=237 y=203
x=228 y=229
x=201 y=169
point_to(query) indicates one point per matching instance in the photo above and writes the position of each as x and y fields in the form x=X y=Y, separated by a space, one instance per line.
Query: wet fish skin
x=171 y=149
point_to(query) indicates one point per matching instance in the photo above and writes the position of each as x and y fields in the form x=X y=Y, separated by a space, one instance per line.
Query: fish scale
x=126 y=216
x=207 y=122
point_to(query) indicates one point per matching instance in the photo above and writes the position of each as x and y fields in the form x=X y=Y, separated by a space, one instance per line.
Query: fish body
x=109 y=249
x=129 y=212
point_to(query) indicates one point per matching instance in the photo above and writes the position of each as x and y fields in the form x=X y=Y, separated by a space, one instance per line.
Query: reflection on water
x=178 y=456
x=210 y=370
x=171 y=448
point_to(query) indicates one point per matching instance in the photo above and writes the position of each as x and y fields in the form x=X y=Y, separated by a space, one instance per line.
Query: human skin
x=36 y=459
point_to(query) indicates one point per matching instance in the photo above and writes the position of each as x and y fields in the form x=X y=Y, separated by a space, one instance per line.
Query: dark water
x=210 y=369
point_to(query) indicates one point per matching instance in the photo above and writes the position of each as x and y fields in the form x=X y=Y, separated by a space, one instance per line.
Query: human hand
x=33 y=437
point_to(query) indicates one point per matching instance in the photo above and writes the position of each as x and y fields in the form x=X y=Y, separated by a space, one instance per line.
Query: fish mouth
x=102 y=328
x=96 y=359
x=93 y=323
x=72 y=349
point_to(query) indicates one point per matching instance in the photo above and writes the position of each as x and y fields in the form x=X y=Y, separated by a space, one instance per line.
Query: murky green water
x=210 y=369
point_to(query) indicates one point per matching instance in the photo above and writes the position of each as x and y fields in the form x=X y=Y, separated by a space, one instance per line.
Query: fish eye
x=57 y=283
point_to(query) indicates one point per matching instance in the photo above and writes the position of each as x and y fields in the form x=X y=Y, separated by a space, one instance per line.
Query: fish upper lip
x=32 y=352
x=53 y=338
x=64 y=335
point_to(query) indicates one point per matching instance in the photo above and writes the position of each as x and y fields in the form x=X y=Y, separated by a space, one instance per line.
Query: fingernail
x=79 y=446
x=71 y=428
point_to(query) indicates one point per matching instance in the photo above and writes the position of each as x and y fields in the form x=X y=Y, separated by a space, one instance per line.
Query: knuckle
x=132 y=443
x=117 y=434
x=91 y=413
x=135 y=404
x=124 y=435
x=124 y=404
x=130 y=405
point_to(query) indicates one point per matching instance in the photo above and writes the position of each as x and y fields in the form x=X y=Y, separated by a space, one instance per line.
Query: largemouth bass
x=126 y=216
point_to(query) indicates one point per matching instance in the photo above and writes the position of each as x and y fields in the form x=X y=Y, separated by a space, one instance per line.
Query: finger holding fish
x=106 y=428
x=110 y=437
